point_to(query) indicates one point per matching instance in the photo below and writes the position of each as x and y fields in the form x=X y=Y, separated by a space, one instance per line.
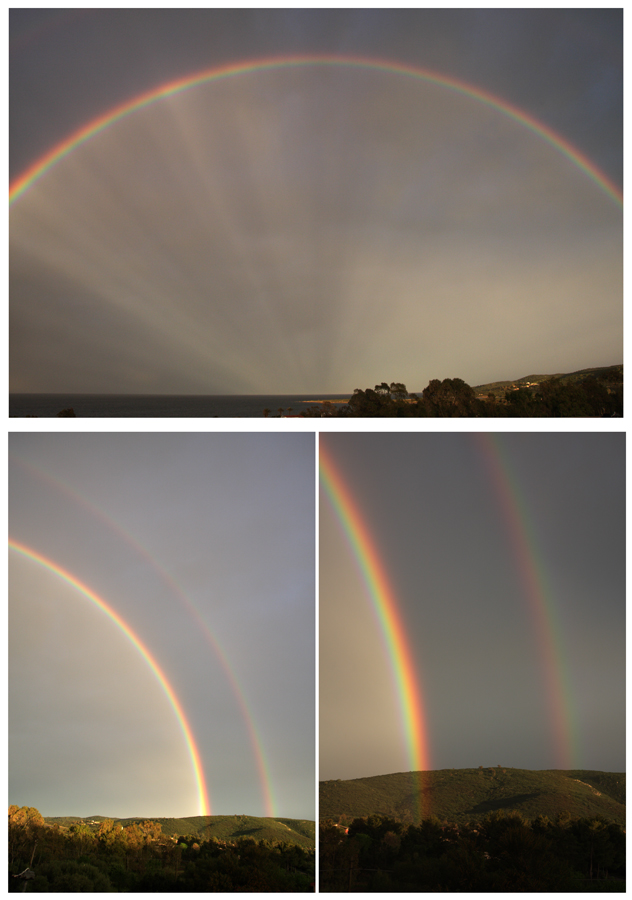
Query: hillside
x=226 y=828
x=609 y=374
x=464 y=795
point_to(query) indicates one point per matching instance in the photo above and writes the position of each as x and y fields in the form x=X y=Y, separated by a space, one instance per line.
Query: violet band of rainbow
x=92 y=128
x=198 y=770
x=385 y=606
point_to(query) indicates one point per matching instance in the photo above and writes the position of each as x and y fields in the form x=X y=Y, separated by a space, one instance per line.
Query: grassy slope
x=463 y=795
x=228 y=828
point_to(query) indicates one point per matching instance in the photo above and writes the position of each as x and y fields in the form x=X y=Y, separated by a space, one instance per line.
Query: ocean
x=107 y=406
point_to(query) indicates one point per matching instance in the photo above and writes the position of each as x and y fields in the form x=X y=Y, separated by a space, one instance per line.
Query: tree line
x=594 y=396
x=502 y=852
x=139 y=858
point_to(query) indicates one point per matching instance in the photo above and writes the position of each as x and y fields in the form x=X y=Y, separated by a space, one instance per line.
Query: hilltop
x=467 y=795
x=225 y=828
x=612 y=375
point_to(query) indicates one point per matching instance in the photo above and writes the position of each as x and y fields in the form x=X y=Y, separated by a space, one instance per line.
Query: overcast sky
x=230 y=518
x=431 y=505
x=312 y=229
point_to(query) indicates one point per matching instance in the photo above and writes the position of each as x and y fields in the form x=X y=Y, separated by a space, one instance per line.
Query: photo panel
x=162 y=660
x=471 y=660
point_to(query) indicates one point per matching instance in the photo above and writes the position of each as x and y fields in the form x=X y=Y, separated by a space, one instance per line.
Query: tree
x=151 y=831
x=112 y=836
x=398 y=391
x=26 y=825
x=449 y=398
x=25 y=816
x=377 y=403
x=82 y=838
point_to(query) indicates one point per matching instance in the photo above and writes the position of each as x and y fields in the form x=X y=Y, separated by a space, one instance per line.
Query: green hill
x=232 y=828
x=226 y=828
x=465 y=795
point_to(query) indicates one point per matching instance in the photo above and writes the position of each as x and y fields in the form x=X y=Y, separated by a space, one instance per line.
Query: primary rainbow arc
x=46 y=162
x=198 y=770
x=392 y=625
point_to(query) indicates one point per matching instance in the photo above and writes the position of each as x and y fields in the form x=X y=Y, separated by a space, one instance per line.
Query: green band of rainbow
x=530 y=565
x=204 y=804
x=391 y=623
x=46 y=162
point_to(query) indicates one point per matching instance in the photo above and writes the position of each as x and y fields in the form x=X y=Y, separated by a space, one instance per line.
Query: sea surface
x=106 y=406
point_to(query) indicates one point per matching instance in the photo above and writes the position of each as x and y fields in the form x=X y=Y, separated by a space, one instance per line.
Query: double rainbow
x=92 y=128
x=537 y=592
x=256 y=743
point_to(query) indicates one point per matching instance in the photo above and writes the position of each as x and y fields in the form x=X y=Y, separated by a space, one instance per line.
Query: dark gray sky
x=230 y=519
x=310 y=229
x=431 y=505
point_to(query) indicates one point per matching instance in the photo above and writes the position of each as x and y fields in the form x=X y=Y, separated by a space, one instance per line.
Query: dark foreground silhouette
x=594 y=394
x=504 y=851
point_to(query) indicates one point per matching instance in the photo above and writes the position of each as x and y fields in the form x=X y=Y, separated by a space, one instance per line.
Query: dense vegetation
x=137 y=856
x=502 y=852
x=591 y=393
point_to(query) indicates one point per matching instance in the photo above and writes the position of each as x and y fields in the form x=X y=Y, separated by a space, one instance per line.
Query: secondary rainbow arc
x=198 y=770
x=62 y=149
x=539 y=596
x=391 y=623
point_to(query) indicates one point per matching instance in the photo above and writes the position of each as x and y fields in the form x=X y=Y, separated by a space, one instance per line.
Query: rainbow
x=46 y=162
x=539 y=595
x=256 y=743
x=204 y=804
x=392 y=625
